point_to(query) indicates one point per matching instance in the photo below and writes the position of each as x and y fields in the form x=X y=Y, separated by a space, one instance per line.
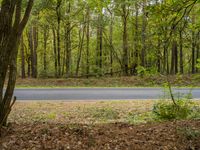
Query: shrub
x=167 y=110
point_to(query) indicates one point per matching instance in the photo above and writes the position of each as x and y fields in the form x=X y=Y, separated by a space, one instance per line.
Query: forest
x=84 y=38
x=99 y=74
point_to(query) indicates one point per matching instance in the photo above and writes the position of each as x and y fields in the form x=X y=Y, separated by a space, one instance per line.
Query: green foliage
x=136 y=118
x=198 y=64
x=142 y=71
x=167 y=110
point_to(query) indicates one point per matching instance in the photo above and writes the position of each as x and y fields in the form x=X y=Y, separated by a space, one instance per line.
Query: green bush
x=167 y=110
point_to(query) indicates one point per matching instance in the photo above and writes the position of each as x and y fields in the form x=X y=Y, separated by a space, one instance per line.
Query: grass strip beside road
x=84 y=112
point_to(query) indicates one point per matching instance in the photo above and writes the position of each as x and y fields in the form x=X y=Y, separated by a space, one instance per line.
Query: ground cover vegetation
x=191 y=81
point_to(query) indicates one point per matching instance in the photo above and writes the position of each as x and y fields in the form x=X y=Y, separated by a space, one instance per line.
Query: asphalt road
x=99 y=93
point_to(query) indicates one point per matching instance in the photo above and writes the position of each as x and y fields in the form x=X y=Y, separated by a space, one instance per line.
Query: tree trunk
x=198 y=50
x=55 y=53
x=81 y=40
x=144 y=24
x=88 y=43
x=99 y=49
x=58 y=12
x=33 y=43
x=136 y=53
x=11 y=28
x=23 y=72
x=111 y=43
x=174 y=61
x=68 y=41
x=35 y=46
x=125 y=15
x=181 y=51
x=193 y=52
x=45 y=37
x=159 y=56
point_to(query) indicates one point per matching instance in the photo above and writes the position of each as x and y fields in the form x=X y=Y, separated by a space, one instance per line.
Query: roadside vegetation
x=131 y=81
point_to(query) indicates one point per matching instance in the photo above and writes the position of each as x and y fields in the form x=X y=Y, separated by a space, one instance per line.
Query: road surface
x=99 y=93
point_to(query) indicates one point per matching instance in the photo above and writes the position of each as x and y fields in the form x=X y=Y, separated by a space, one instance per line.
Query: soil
x=175 y=135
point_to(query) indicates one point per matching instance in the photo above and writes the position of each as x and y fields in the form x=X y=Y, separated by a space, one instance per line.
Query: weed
x=166 y=110
x=136 y=118
x=51 y=116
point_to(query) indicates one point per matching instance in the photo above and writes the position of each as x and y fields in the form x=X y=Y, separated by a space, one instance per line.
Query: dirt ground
x=116 y=136
x=102 y=125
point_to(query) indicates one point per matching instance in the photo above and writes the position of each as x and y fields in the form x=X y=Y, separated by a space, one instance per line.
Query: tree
x=11 y=28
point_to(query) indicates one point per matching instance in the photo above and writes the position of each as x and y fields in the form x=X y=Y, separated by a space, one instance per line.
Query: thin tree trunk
x=111 y=43
x=45 y=36
x=35 y=45
x=181 y=51
x=136 y=53
x=193 y=46
x=81 y=40
x=99 y=49
x=198 y=50
x=23 y=72
x=193 y=52
x=68 y=41
x=55 y=53
x=144 y=24
x=58 y=12
x=174 y=61
x=88 y=43
x=125 y=15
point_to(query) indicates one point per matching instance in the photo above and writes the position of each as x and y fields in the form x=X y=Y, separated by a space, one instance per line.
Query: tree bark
x=81 y=41
x=23 y=70
x=55 y=53
x=125 y=14
x=144 y=24
x=45 y=36
x=181 y=51
x=58 y=12
x=11 y=28
x=68 y=41
x=88 y=43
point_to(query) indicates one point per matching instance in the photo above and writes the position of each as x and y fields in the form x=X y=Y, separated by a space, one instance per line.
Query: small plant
x=198 y=64
x=141 y=71
x=51 y=116
x=167 y=110
x=135 y=118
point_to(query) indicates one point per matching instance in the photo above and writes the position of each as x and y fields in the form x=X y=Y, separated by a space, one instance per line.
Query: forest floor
x=133 y=81
x=95 y=125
